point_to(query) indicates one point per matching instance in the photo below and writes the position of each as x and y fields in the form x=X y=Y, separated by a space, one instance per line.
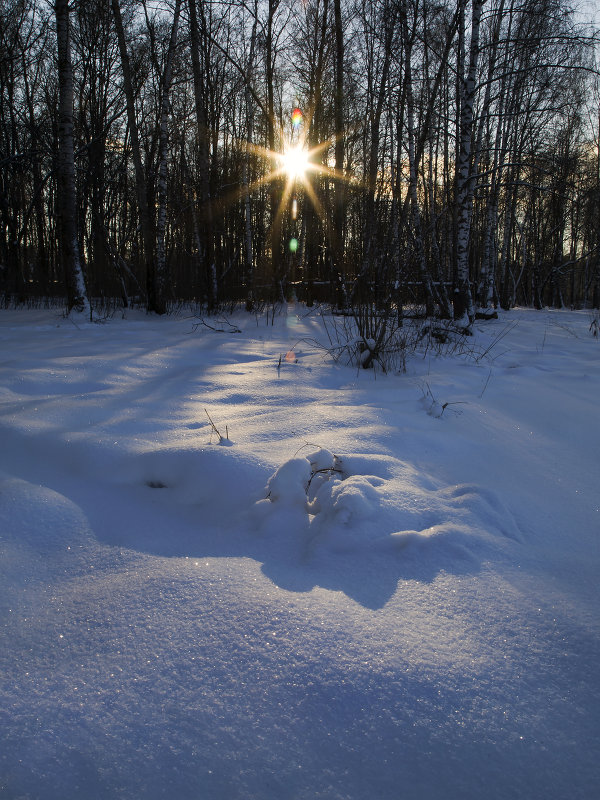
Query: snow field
x=354 y=599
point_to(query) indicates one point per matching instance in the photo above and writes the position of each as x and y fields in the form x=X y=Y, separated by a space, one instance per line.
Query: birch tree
x=463 y=299
x=66 y=201
x=339 y=210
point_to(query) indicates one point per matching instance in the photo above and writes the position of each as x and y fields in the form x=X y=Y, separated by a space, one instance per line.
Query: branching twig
x=504 y=332
x=232 y=328
x=435 y=404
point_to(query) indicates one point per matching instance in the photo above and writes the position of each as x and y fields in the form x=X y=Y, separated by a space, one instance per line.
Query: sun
x=291 y=172
x=295 y=162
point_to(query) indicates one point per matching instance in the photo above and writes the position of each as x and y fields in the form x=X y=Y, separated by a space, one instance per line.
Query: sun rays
x=293 y=176
x=298 y=168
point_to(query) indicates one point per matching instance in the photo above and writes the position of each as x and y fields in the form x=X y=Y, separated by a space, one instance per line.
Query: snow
x=385 y=586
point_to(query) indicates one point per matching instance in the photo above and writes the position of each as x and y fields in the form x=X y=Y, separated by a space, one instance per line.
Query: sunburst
x=293 y=168
x=295 y=162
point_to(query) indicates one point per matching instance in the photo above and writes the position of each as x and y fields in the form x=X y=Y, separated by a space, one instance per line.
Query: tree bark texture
x=66 y=201
x=465 y=178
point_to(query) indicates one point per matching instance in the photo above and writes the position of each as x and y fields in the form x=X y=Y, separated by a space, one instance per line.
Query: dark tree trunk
x=136 y=153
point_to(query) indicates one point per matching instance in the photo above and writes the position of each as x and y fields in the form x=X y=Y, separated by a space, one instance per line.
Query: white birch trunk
x=67 y=195
x=465 y=181
x=339 y=192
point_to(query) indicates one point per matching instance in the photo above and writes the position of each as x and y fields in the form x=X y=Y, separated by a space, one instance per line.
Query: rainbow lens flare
x=297 y=117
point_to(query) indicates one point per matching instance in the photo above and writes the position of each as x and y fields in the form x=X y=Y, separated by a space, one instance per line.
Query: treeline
x=455 y=160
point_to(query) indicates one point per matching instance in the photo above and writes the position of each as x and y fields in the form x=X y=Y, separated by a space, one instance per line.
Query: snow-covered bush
x=289 y=484
x=297 y=482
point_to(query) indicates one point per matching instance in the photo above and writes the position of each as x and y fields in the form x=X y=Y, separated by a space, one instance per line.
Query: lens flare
x=293 y=245
x=297 y=117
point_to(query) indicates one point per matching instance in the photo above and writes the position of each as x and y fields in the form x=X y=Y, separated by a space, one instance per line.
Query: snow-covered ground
x=361 y=593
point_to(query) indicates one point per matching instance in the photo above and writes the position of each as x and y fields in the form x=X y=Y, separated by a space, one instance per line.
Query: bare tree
x=66 y=202
x=206 y=236
x=163 y=153
x=463 y=299
x=147 y=239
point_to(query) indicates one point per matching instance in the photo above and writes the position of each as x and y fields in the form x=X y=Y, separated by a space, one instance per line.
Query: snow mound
x=290 y=483
x=40 y=518
x=41 y=533
x=375 y=504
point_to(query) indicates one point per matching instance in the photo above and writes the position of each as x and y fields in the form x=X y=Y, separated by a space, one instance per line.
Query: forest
x=438 y=155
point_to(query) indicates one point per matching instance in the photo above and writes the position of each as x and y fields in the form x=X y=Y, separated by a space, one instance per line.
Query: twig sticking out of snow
x=498 y=338
x=329 y=471
x=214 y=429
x=435 y=408
x=486 y=383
